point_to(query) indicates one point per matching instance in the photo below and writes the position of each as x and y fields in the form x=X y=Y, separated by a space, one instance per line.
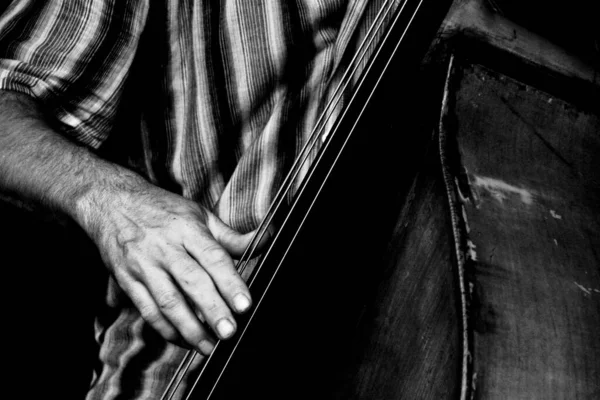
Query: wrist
x=94 y=203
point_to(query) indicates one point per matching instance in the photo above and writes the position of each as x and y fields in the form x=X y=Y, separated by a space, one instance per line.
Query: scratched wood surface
x=532 y=205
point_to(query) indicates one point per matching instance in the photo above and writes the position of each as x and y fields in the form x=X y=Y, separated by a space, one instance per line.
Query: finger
x=218 y=264
x=234 y=242
x=150 y=312
x=201 y=292
x=175 y=309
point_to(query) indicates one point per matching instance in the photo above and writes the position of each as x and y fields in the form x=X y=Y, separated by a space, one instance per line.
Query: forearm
x=39 y=165
x=169 y=254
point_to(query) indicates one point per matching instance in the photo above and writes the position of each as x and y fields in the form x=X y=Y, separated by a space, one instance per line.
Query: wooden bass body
x=446 y=247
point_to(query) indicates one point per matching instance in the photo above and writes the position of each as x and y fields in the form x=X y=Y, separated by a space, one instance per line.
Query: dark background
x=573 y=25
x=51 y=278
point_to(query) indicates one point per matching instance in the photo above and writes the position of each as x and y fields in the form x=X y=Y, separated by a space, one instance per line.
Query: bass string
x=318 y=160
x=287 y=185
x=179 y=374
x=303 y=156
x=317 y=132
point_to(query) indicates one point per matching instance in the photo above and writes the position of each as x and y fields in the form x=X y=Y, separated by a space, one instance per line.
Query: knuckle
x=211 y=248
x=128 y=241
x=216 y=255
x=168 y=301
x=151 y=315
x=233 y=284
x=214 y=311
x=212 y=308
x=186 y=270
x=135 y=268
x=189 y=274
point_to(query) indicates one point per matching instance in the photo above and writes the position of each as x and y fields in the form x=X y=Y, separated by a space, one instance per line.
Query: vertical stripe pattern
x=210 y=99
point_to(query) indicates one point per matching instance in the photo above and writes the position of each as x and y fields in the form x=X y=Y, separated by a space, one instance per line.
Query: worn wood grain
x=532 y=206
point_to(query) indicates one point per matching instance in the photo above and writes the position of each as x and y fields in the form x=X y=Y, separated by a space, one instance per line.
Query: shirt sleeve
x=73 y=56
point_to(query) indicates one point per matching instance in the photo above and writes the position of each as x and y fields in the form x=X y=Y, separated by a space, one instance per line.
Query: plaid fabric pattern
x=209 y=99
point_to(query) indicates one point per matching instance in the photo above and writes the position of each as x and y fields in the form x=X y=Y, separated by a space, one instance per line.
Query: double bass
x=314 y=281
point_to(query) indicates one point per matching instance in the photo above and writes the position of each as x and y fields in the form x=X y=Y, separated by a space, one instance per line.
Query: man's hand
x=171 y=256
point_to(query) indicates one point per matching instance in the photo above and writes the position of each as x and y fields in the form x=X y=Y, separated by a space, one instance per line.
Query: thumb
x=234 y=242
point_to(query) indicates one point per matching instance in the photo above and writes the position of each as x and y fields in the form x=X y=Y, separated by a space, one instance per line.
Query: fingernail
x=205 y=347
x=225 y=328
x=241 y=302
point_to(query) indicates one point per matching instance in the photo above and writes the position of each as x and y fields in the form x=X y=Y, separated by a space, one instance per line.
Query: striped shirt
x=208 y=99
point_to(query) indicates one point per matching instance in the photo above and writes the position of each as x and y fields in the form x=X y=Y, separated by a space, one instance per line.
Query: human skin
x=171 y=256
